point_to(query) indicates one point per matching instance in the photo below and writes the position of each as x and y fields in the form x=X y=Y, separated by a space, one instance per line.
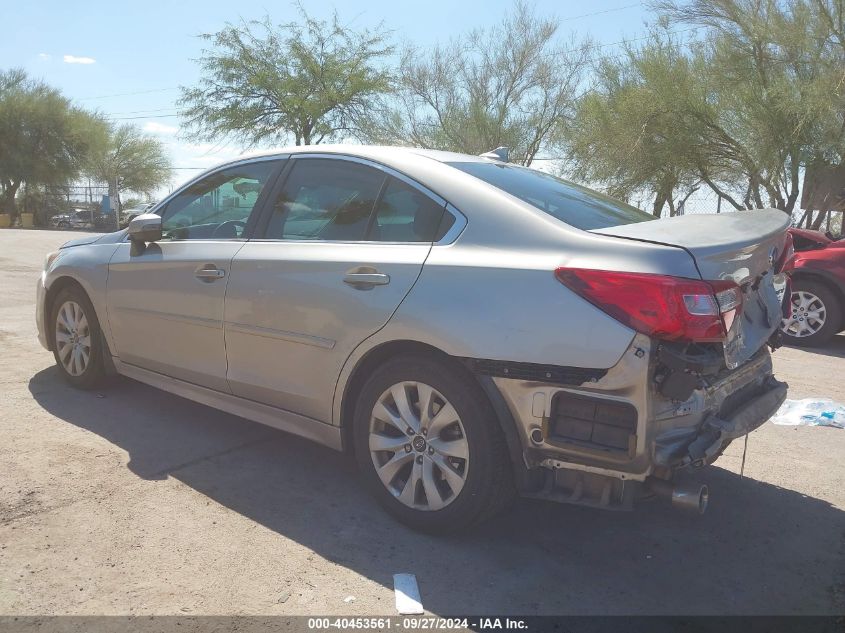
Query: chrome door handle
x=209 y=273
x=365 y=280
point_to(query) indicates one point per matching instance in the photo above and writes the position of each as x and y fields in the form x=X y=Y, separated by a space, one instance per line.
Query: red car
x=818 y=289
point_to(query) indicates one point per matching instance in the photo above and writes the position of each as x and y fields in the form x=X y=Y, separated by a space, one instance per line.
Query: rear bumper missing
x=707 y=442
x=598 y=439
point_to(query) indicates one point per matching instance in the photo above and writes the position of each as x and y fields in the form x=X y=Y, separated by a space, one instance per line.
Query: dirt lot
x=132 y=501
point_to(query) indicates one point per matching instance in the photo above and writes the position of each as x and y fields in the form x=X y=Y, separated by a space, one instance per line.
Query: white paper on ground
x=810 y=412
x=407 y=594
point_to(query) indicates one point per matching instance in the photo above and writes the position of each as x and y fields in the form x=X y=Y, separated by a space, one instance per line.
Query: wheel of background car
x=428 y=446
x=62 y=225
x=230 y=226
x=816 y=313
x=78 y=348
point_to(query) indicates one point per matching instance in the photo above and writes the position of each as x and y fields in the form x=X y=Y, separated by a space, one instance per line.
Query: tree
x=631 y=132
x=312 y=81
x=511 y=85
x=130 y=161
x=742 y=109
x=44 y=140
x=773 y=76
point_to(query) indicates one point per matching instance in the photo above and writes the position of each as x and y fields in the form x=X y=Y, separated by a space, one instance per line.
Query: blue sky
x=98 y=52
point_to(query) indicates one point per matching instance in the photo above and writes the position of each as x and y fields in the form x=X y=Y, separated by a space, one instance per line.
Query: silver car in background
x=127 y=215
x=73 y=219
x=467 y=328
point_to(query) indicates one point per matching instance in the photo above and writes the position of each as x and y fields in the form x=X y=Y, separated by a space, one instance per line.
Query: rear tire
x=816 y=314
x=77 y=339
x=439 y=474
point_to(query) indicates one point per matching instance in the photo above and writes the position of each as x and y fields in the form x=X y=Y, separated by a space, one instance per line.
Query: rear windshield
x=568 y=202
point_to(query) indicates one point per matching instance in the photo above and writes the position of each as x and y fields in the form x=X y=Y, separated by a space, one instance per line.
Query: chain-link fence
x=71 y=207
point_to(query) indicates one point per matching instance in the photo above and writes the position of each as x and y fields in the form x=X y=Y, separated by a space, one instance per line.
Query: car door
x=343 y=243
x=165 y=304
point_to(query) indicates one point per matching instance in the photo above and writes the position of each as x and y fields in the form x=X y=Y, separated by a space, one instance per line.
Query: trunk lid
x=741 y=246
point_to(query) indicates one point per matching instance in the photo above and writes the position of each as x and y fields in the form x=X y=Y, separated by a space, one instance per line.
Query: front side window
x=405 y=214
x=218 y=206
x=575 y=205
x=325 y=199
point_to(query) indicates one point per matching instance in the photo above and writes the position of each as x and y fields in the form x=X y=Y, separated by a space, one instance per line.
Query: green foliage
x=44 y=140
x=131 y=160
x=312 y=81
x=632 y=131
x=510 y=86
x=741 y=109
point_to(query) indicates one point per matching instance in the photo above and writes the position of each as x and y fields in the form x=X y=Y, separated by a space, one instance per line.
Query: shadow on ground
x=760 y=549
x=834 y=347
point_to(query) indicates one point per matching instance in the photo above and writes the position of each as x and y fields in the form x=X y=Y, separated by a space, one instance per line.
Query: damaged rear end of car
x=698 y=295
x=697 y=375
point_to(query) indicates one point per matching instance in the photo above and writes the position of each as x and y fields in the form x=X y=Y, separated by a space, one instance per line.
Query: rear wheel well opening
x=364 y=369
x=486 y=388
x=816 y=278
x=52 y=292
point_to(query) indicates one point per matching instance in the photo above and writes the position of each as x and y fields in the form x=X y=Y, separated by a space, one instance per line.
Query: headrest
x=427 y=218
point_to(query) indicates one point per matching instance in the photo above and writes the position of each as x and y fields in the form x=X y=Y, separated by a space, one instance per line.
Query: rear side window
x=325 y=199
x=578 y=206
x=405 y=214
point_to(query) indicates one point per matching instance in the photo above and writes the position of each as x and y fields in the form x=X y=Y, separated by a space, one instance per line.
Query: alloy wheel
x=418 y=446
x=73 y=338
x=808 y=315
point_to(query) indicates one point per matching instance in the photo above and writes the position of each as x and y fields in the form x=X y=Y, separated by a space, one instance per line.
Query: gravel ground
x=133 y=501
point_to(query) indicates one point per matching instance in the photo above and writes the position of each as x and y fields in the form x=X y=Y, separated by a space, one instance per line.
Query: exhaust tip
x=691 y=498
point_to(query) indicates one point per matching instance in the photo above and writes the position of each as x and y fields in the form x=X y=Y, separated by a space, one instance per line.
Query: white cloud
x=73 y=59
x=159 y=128
x=45 y=57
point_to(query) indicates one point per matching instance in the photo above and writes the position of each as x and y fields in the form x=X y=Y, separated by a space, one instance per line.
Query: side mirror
x=145 y=228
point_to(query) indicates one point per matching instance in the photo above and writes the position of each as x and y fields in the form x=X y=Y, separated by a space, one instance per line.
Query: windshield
x=581 y=207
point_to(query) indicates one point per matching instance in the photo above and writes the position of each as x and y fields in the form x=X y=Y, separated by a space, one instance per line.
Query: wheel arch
x=829 y=281
x=391 y=349
x=59 y=284
x=53 y=291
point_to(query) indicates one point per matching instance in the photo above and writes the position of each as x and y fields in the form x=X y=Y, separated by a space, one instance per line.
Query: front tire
x=77 y=339
x=816 y=314
x=429 y=447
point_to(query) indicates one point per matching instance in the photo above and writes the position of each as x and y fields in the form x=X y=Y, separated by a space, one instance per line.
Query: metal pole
x=115 y=207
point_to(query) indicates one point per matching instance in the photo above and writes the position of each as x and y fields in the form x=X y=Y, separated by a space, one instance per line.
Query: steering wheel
x=230 y=223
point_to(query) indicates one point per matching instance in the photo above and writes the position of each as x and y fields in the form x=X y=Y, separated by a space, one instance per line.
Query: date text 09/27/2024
x=423 y=623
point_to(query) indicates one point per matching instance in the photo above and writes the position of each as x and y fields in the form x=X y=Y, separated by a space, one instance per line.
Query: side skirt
x=287 y=421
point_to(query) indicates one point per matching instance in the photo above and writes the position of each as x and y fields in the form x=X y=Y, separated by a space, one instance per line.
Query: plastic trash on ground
x=811 y=412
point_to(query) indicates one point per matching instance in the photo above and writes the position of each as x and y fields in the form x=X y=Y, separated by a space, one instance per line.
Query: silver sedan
x=469 y=329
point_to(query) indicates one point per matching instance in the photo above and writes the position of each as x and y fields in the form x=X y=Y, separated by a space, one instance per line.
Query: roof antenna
x=500 y=153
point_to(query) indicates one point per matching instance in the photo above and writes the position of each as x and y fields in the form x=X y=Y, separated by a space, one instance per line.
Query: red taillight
x=665 y=307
